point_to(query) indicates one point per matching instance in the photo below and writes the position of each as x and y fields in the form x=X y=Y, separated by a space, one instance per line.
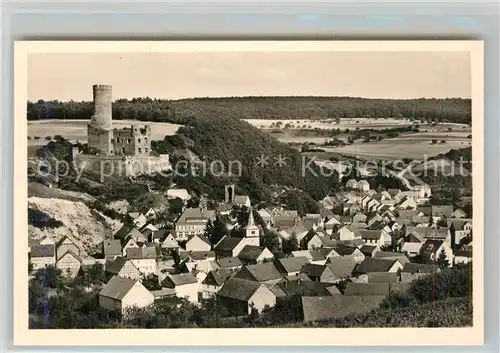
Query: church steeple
x=251 y=231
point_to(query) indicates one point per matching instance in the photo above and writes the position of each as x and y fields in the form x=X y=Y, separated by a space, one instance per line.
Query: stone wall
x=100 y=139
x=122 y=166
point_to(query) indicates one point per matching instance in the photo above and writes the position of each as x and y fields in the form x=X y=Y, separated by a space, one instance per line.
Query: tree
x=219 y=230
x=151 y=282
x=290 y=244
x=442 y=260
x=193 y=202
x=209 y=228
x=96 y=274
x=176 y=206
x=271 y=241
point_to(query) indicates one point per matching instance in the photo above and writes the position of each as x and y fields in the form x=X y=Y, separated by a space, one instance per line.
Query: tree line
x=280 y=108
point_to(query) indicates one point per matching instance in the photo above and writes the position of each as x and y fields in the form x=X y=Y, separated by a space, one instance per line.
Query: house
x=69 y=264
x=213 y=282
x=392 y=256
x=413 y=271
x=230 y=263
x=138 y=219
x=442 y=211
x=346 y=233
x=251 y=254
x=372 y=237
x=286 y=219
x=198 y=242
x=264 y=272
x=42 y=256
x=123 y=267
x=318 y=308
x=367 y=289
x=150 y=214
x=290 y=266
x=371 y=264
x=143 y=258
x=185 y=286
x=266 y=216
x=170 y=243
x=350 y=251
x=182 y=194
x=129 y=243
x=383 y=277
x=406 y=202
x=311 y=241
x=127 y=232
x=240 y=296
x=242 y=201
x=301 y=288
x=369 y=250
x=65 y=244
x=341 y=267
x=121 y=293
x=359 y=218
x=112 y=249
x=193 y=222
x=458 y=213
x=409 y=214
x=363 y=185
x=432 y=248
x=318 y=273
x=229 y=246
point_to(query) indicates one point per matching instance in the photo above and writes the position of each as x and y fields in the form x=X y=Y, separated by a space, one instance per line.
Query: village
x=346 y=259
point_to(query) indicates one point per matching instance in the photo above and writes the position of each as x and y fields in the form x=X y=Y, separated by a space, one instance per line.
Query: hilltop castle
x=119 y=152
x=104 y=140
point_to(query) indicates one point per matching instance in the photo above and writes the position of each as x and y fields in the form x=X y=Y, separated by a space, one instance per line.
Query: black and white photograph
x=258 y=186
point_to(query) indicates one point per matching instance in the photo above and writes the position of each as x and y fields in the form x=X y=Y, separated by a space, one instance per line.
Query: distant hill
x=280 y=108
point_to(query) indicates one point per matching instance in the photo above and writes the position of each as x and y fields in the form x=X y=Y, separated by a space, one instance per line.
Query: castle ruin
x=112 y=151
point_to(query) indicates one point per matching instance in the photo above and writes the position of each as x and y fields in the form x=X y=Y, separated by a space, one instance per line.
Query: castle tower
x=103 y=97
x=99 y=131
x=251 y=231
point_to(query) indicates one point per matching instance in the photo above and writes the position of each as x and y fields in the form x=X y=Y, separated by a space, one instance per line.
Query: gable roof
x=308 y=288
x=180 y=279
x=430 y=246
x=291 y=264
x=344 y=249
x=367 y=289
x=251 y=252
x=228 y=262
x=371 y=264
x=239 y=289
x=201 y=255
x=314 y=270
x=117 y=287
x=201 y=237
x=116 y=266
x=262 y=272
x=341 y=267
x=126 y=231
x=59 y=243
x=228 y=243
x=368 y=234
x=72 y=253
x=141 y=253
x=392 y=255
x=217 y=277
x=383 y=277
x=368 y=250
x=48 y=250
x=112 y=247
x=419 y=268
x=196 y=215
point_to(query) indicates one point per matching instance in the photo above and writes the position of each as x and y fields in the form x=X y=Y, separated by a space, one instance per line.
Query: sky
x=203 y=74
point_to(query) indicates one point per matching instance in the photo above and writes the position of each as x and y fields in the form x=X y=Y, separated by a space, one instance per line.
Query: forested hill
x=283 y=108
x=233 y=141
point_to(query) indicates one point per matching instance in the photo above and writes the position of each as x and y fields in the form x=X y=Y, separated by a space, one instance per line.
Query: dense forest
x=228 y=141
x=281 y=108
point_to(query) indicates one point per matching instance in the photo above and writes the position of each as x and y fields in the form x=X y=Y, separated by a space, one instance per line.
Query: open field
x=411 y=146
x=362 y=123
x=77 y=129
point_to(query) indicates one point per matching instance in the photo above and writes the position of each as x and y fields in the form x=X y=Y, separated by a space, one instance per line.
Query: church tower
x=251 y=231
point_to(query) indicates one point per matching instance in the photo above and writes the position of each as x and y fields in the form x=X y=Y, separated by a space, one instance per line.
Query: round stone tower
x=102 y=107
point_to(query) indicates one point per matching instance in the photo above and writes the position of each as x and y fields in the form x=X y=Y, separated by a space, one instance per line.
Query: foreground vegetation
x=54 y=302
